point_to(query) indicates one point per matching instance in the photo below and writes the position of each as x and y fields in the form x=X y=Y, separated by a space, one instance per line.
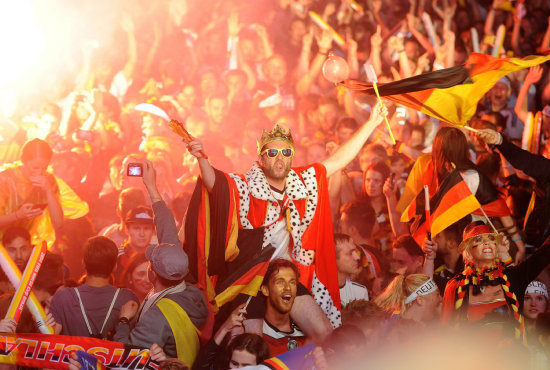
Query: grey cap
x=168 y=261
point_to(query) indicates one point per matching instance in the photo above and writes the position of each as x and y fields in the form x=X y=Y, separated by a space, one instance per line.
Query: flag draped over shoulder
x=450 y=94
x=452 y=201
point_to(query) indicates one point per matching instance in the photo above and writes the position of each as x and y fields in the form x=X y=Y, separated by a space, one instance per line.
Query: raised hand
x=28 y=212
x=534 y=75
x=376 y=39
x=488 y=135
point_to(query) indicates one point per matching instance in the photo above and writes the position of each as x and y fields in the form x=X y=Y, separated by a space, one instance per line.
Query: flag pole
x=371 y=75
x=427 y=209
x=488 y=219
x=246 y=305
x=470 y=128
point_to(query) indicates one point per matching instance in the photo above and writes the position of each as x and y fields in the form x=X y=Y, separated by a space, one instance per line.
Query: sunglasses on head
x=272 y=153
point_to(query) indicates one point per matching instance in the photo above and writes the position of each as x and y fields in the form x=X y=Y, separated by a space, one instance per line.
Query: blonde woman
x=412 y=297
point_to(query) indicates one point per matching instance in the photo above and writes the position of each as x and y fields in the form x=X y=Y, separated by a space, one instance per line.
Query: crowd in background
x=229 y=69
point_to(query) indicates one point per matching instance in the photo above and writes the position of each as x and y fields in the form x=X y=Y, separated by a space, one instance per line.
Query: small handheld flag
x=427 y=209
x=178 y=128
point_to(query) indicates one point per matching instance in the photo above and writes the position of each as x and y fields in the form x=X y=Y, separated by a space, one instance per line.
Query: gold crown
x=277 y=134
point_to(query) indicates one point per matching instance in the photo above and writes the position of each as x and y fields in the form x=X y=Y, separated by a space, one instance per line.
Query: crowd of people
x=290 y=178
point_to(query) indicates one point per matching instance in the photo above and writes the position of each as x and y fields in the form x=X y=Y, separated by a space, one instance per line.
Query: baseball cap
x=506 y=81
x=139 y=214
x=169 y=261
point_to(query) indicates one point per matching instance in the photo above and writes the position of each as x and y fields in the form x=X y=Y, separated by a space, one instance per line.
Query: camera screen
x=134 y=171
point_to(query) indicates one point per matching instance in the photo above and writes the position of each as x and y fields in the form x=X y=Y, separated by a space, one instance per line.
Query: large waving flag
x=450 y=94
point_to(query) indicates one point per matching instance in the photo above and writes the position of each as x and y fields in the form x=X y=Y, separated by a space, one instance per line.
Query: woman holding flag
x=457 y=188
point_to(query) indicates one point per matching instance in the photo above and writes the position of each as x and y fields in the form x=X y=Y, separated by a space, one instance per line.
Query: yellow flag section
x=457 y=104
x=185 y=333
x=73 y=207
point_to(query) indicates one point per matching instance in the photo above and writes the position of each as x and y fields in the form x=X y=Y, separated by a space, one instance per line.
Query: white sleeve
x=471 y=178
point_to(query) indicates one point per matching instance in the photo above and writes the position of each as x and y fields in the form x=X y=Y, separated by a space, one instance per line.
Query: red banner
x=52 y=351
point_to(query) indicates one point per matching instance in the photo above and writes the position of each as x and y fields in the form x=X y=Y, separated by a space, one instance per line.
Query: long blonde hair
x=392 y=299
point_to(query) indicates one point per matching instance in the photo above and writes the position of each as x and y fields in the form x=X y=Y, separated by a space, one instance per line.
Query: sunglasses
x=272 y=153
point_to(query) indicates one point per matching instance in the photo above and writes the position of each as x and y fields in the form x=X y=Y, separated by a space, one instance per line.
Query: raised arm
x=128 y=26
x=207 y=171
x=324 y=42
x=536 y=166
x=376 y=50
x=521 y=108
x=167 y=231
x=348 y=150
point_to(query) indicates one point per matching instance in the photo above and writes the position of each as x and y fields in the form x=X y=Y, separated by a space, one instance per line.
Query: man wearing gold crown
x=233 y=217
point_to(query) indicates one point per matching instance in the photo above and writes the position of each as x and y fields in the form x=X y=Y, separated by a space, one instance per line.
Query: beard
x=273 y=170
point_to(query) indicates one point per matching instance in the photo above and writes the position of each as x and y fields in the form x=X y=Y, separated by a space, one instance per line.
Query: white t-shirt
x=280 y=237
x=352 y=291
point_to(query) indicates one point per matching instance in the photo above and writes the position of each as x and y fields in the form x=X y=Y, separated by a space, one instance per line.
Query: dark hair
x=136 y=260
x=100 y=256
x=450 y=149
x=379 y=167
x=361 y=215
x=489 y=164
x=479 y=123
x=343 y=337
x=340 y=238
x=15 y=232
x=543 y=323
x=252 y=343
x=346 y=122
x=129 y=199
x=51 y=273
x=500 y=121
x=276 y=265
x=364 y=314
x=36 y=148
x=409 y=244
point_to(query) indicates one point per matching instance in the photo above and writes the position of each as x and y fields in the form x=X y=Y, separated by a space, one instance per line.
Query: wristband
x=124 y=320
x=499 y=139
x=516 y=239
x=398 y=147
x=507 y=261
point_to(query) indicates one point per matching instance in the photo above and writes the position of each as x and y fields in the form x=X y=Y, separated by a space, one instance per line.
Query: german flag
x=298 y=358
x=421 y=174
x=247 y=279
x=453 y=201
x=450 y=94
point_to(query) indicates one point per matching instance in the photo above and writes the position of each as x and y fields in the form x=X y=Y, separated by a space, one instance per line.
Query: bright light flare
x=21 y=41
